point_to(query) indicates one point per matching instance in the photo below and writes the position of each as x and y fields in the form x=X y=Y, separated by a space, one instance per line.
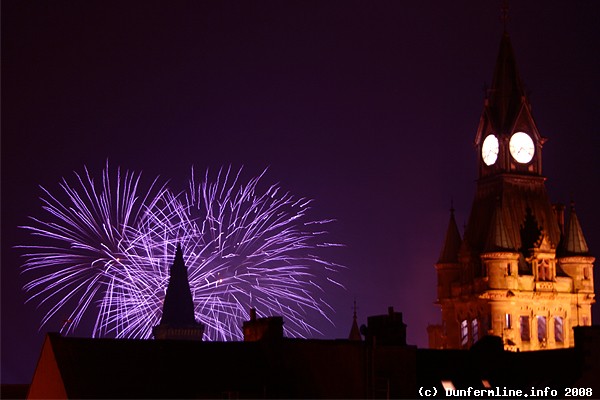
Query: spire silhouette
x=178 y=319
x=354 y=331
x=452 y=242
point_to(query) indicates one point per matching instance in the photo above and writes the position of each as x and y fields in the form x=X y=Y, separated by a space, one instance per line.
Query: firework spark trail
x=89 y=229
x=243 y=248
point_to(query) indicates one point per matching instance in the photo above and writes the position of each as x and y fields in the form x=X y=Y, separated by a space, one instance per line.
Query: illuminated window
x=508 y=321
x=464 y=333
x=541 y=328
x=558 y=330
x=524 y=322
x=475 y=330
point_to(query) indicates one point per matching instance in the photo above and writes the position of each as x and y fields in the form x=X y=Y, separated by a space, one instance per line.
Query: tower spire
x=507 y=94
x=178 y=319
x=354 y=331
x=504 y=14
x=178 y=308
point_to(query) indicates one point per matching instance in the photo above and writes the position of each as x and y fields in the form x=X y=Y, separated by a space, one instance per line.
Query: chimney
x=387 y=329
x=268 y=328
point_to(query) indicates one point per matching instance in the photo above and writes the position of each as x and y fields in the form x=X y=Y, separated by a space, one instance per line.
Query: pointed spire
x=504 y=14
x=354 y=331
x=452 y=242
x=498 y=238
x=178 y=308
x=574 y=243
x=506 y=96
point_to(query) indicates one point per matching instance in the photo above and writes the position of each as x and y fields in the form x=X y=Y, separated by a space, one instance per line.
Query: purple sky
x=370 y=108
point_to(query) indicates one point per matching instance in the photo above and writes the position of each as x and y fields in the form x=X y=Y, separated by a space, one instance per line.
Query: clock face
x=521 y=147
x=489 y=150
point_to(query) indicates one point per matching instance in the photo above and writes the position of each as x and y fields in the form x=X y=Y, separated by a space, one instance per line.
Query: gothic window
x=541 y=329
x=475 y=330
x=464 y=333
x=558 y=330
x=524 y=322
x=544 y=271
x=508 y=272
x=586 y=273
x=508 y=321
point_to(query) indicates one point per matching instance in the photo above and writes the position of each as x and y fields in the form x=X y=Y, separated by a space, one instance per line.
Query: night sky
x=369 y=108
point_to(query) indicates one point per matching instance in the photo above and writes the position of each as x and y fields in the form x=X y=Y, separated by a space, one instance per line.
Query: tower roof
x=178 y=308
x=452 y=242
x=507 y=95
x=574 y=243
x=521 y=199
x=498 y=238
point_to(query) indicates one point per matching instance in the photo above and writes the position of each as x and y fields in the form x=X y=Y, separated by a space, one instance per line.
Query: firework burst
x=244 y=247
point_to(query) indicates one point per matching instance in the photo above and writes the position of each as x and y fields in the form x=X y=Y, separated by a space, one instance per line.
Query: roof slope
x=517 y=196
x=574 y=242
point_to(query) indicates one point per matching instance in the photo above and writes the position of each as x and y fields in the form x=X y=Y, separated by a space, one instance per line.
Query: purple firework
x=243 y=248
x=86 y=244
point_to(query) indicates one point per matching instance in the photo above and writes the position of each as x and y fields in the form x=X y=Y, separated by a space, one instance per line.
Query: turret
x=574 y=257
x=448 y=267
x=500 y=257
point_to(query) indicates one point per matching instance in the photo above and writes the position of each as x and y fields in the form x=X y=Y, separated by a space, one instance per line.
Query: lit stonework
x=518 y=273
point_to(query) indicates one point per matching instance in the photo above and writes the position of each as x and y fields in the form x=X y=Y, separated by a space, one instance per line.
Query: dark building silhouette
x=266 y=365
x=268 y=328
x=387 y=329
x=178 y=320
x=298 y=368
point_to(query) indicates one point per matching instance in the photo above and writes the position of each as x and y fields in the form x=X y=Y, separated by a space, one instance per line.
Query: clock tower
x=519 y=272
x=507 y=139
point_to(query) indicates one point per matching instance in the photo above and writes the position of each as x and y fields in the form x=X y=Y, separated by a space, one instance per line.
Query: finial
x=354 y=308
x=504 y=14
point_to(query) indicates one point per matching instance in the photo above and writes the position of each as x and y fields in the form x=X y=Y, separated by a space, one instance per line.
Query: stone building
x=519 y=272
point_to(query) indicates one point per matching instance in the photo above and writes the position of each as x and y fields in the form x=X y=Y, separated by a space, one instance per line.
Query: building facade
x=519 y=272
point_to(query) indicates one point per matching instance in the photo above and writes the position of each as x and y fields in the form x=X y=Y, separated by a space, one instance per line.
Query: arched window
x=524 y=327
x=541 y=329
x=475 y=330
x=558 y=330
x=464 y=332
